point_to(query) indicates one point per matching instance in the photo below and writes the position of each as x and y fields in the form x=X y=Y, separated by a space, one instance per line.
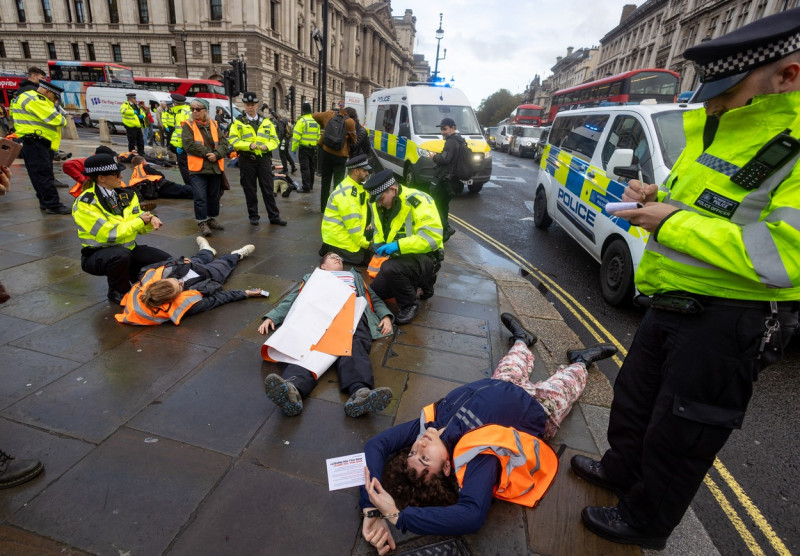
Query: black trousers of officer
x=286 y=158
x=308 y=165
x=332 y=168
x=256 y=173
x=354 y=371
x=399 y=277
x=684 y=386
x=120 y=265
x=135 y=139
x=183 y=166
x=38 y=159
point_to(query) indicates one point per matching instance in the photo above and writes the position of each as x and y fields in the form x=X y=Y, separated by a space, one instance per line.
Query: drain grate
x=450 y=547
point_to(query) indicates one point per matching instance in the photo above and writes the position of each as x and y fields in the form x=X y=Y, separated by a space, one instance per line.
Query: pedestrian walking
x=445 y=179
x=304 y=141
x=335 y=149
x=133 y=120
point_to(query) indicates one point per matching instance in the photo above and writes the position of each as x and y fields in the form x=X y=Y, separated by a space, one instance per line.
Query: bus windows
x=120 y=75
x=651 y=83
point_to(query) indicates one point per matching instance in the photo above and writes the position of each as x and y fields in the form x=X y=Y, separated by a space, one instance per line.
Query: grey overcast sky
x=496 y=44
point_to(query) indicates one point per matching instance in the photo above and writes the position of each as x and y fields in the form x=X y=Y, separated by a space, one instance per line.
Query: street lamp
x=439 y=36
x=185 y=59
x=317 y=37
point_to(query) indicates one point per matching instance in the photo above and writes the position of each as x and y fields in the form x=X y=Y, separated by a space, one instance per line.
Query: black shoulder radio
x=772 y=156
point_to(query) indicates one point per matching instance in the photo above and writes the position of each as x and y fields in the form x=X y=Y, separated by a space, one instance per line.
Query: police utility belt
x=35 y=138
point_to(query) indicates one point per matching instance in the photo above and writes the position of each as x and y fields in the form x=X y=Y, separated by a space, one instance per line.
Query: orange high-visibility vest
x=196 y=162
x=528 y=465
x=136 y=312
x=375 y=264
x=140 y=175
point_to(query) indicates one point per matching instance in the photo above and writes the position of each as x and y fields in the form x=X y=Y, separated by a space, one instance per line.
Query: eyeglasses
x=197 y=109
x=333 y=256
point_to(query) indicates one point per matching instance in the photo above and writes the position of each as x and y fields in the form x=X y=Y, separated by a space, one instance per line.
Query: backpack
x=335 y=133
x=463 y=168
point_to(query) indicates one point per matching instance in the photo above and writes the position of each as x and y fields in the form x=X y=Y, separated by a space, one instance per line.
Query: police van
x=588 y=158
x=403 y=124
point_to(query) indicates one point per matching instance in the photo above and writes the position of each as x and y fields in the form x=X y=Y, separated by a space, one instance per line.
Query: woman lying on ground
x=437 y=475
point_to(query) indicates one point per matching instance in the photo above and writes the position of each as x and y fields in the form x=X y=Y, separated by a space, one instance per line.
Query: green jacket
x=726 y=241
x=196 y=148
x=376 y=309
x=413 y=222
x=346 y=217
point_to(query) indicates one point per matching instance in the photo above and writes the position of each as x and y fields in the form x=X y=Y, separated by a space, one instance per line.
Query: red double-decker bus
x=624 y=88
x=527 y=114
x=202 y=88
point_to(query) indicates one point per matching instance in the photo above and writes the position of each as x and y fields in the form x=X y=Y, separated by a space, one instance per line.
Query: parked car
x=537 y=148
x=504 y=134
x=524 y=140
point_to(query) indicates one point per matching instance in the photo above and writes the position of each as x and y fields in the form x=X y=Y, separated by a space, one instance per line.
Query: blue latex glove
x=388 y=249
x=180 y=150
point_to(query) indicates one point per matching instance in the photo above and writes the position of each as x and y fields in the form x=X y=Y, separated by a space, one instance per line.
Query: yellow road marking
x=737 y=522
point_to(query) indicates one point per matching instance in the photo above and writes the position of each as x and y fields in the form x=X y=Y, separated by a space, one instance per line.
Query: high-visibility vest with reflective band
x=242 y=134
x=181 y=115
x=196 y=162
x=167 y=119
x=140 y=175
x=346 y=216
x=35 y=114
x=129 y=115
x=306 y=132
x=728 y=241
x=528 y=464
x=136 y=312
x=98 y=228
x=417 y=227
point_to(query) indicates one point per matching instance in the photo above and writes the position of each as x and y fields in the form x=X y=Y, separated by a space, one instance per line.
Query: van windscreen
x=428 y=117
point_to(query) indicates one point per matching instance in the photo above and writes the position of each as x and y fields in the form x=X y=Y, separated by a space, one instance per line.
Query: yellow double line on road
x=601 y=334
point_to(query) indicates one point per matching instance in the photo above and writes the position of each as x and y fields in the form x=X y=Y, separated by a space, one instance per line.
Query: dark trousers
x=442 y=192
x=286 y=159
x=308 y=165
x=120 y=265
x=359 y=258
x=218 y=269
x=354 y=371
x=676 y=401
x=332 y=168
x=39 y=163
x=183 y=166
x=399 y=277
x=135 y=139
x=207 y=190
x=171 y=190
x=256 y=173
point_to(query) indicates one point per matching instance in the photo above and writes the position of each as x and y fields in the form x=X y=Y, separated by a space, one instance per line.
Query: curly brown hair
x=409 y=488
x=158 y=293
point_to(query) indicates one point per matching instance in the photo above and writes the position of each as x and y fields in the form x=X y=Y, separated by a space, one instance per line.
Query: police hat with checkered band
x=249 y=98
x=51 y=87
x=379 y=183
x=358 y=161
x=101 y=165
x=724 y=62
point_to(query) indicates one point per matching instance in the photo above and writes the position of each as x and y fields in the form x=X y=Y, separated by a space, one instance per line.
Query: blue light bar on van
x=593 y=128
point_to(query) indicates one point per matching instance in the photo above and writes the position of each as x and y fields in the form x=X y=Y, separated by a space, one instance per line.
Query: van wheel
x=475 y=188
x=541 y=219
x=408 y=176
x=112 y=129
x=616 y=273
x=86 y=120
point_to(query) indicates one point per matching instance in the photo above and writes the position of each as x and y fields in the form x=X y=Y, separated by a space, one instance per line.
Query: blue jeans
x=207 y=192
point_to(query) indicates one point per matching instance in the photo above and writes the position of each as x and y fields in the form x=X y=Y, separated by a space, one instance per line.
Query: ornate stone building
x=368 y=48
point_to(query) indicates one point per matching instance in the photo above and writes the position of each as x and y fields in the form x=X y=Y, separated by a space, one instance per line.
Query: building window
x=742 y=19
x=300 y=38
x=116 y=52
x=273 y=15
x=171 y=12
x=216 y=53
x=69 y=11
x=276 y=61
x=113 y=11
x=173 y=54
x=146 y=54
x=47 y=11
x=90 y=52
x=216 y=10
x=302 y=75
x=80 y=12
x=314 y=78
x=144 y=13
x=76 y=51
x=51 y=51
x=89 y=10
x=26 y=49
x=2 y=49
x=21 y=11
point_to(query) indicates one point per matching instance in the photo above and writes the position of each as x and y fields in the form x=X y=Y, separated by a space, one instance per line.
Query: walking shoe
x=147 y=206
x=115 y=297
x=365 y=400
x=214 y=225
x=610 y=525
x=304 y=190
x=58 y=183
x=407 y=314
x=60 y=209
x=278 y=222
x=254 y=221
x=591 y=470
x=294 y=169
x=245 y=251
x=591 y=354
x=283 y=394
x=288 y=191
x=14 y=471
x=204 y=229
x=202 y=243
x=518 y=331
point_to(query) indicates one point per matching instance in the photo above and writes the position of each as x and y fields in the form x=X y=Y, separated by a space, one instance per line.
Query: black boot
x=518 y=331
x=591 y=354
x=406 y=314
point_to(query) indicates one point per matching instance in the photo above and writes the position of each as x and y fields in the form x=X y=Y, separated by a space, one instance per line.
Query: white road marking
x=509 y=178
x=490 y=185
x=529 y=204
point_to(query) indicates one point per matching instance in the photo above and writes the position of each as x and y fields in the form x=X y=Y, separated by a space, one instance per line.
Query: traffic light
x=231 y=85
x=290 y=100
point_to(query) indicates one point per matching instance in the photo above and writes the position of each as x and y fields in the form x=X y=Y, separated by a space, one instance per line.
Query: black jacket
x=362 y=145
x=446 y=160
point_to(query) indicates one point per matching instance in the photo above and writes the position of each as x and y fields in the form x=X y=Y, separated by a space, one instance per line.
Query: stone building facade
x=368 y=48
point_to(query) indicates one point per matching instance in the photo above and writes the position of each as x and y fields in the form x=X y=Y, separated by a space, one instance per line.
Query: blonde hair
x=158 y=293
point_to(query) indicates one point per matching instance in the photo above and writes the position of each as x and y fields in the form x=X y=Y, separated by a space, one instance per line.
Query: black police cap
x=177 y=97
x=379 y=183
x=249 y=98
x=359 y=161
x=101 y=165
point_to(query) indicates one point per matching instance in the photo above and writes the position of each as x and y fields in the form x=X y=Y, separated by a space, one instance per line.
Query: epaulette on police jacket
x=87 y=197
x=413 y=201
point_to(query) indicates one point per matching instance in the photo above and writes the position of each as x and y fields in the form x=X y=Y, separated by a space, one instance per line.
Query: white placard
x=346 y=471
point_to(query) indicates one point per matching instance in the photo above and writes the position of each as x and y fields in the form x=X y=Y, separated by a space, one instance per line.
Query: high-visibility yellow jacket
x=413 y=222
x=136 y=312
x=130 y=115
x=167 y=119
x=181 y=114
x=306 y=132
x=35 y=114
x=346 y=217
x=727 y=241
x=98 y=226
x=242 y=134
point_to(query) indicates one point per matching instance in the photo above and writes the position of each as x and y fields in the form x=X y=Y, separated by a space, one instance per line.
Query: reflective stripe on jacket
x=346 y=216
x=196 y=162
x=727 y=241
x=181 y=115
x=242 y=135
x=136 y=312
x=140 y=175
x=416 y=227
x=167 y=119
x=35 y=114
x=306 y=132
x=100 y=228
x=130 y=115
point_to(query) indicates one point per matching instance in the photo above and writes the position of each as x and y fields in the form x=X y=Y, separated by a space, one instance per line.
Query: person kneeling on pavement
x=480 y=441
x=355 y=371
x=109 y=220
x=152 y=184
x=173 y=289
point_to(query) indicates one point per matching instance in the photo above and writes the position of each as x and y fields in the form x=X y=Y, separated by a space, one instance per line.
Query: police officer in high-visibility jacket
x=346 y=217
x=304 y=141
x=408 y=231
x=109 y=221
x=167 y=123
x=254 y=139
x=723 y=276
x=133 y=118
x=38 y=124
x=180 y=115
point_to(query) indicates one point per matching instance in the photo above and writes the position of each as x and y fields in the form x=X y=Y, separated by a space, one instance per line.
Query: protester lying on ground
x=283 y=183
x=152 y=184
x=456 y=441
x=355 y=371
x=180 y=287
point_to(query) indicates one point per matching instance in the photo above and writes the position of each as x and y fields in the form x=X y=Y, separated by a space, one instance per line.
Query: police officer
x=180 y=115
x=721 y=269
x=304 y=141
x=32 y=82
x=38 y=123
x=133 y=120
x=254 y=138
x=346 y=217
x=167 y=123
x=409 y=232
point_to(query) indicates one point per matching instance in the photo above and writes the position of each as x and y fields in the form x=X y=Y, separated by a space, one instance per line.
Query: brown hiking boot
x=214 y=225
x=205 y=230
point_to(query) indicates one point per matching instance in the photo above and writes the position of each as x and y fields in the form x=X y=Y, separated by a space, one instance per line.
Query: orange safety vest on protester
x=196 y=162
x=528 y=465
x=140 y=175
x=136 y=312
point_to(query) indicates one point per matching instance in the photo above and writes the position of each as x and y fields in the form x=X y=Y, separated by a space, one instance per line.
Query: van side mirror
x=405 y=130
x=620 y=159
